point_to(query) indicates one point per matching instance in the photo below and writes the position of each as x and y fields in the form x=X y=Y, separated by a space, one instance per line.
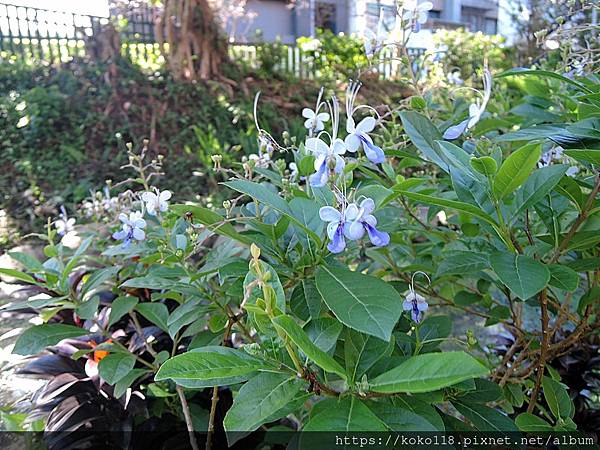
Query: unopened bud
x=255 y=251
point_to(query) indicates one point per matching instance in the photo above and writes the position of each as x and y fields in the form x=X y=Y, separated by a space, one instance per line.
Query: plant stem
x=188 y=417
x=543 y=351
x=211 y=418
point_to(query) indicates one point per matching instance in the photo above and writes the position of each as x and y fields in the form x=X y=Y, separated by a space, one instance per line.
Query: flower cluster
x=133 y=226
x=328 y=156
x=351 y=221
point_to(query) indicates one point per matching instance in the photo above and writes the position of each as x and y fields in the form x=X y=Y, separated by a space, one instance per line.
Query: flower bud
x=255 y=251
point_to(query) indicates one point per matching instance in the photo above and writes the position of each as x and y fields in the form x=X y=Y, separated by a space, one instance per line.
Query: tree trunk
x=190 y=39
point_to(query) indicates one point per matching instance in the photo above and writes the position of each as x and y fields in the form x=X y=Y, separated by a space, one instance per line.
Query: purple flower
x=335 y=228
x=416 y=304
x=327 y=159
x=132 y=228
x=358 y=136
x=361 y=219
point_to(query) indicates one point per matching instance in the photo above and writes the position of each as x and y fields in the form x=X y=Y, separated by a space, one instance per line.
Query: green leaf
x=361 y=302
x=485 y=165
x=484 y=418
x=28 y=261
x=346 y=414
x=462 y=262
x=523 y=275
x=544 y=74
x=585 y=156
x=529 y=423
x=157 y=313
x=557 y=398
x=121 y=306
x=306 y=302
x=485 y=391
x=400 y=419
x=324 y=332
x=259 y=400
x=453 y=204
x=271 y=199
x=159 y=283
x=115 y=367
x=538 y=185
x=212 y=221
x=429 y=372
x=89 y=308
x=515 y=169
x=183 y=315
x=563 y=277
x=423 y=135
x=18 y=275
x=37 y=338
x=211 y=366
x=288 y=326
x=124 y=383
x=362 y=351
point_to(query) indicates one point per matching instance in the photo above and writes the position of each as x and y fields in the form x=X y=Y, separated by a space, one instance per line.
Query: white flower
x=454 y=78
x=293 y=167
x=314 y=122
x=260 y=161
x=475 y=110
x=132 y=228
x=65 y=224
x=156 y=201
x=416 y=13
x=374 y=41
x=552 y=44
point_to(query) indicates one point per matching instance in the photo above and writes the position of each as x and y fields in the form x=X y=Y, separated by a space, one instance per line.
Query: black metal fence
x=35 y=35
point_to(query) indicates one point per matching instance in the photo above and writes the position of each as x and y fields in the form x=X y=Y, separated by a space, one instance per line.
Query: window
x=325 y=15
x=474 y=18
x=491 y=26
x=433 y=14
x=389 y=16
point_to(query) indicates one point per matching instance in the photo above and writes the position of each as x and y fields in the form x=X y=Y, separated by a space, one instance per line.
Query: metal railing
x=34 y=35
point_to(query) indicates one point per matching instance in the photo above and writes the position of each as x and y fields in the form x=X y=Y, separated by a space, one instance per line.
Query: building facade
x=285 y=20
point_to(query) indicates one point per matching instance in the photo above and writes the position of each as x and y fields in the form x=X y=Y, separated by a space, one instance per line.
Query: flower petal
x=368 y=206
x=456 y=130
x=366 y=125
x=337 y=243
x=351 y=212
x=329 y=214
x=320 y=177
x=164 y=196
x=377 y=238
x=354 y=230
x=139 y=234
x=308 y=113
x=352 y=143
x=374 y=153
x=317 y=146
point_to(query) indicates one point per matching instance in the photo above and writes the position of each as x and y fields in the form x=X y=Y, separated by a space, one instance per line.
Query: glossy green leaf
x=211 y=366
x=362 y=302
x=537 y=186
x=563 y=277
x=259 y=400
x=585 y=156
x=324 y=332
x=544 y=74
x=345 y=414
x=529 y=423
x=18 y=275
x=485 y=165
x=297 y=335
x=523 y=275
x=423 y=135
x=115 y=367
x=462 y=262
x=484 y=418
x=429 y=372
x=37 y=338
x=557 y=398
x=515 y=169
x=157 y=313
x=121 y=306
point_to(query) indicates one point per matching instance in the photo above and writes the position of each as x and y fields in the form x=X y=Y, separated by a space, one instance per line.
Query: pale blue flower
x=335 y=228
x=416 y=304
x=132 y=228
x=416 y=13
x=360 y=219
x=475 y=110
x=315 y=121
x=358 y=136
x=64 y=224
x=156 y=201
x=327 y=159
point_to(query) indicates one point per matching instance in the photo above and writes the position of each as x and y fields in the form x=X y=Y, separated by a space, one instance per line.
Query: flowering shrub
x=346 y=284
x=324 y=290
